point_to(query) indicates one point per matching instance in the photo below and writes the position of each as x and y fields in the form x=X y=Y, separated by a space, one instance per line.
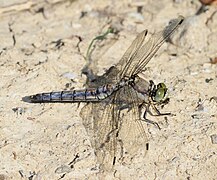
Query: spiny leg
x=147 y=110
x=145 y=118
x=157 y=111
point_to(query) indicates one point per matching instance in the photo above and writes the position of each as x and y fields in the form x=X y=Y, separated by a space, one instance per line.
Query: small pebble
x=69 y=75
x=63 y=169
x=214 y=138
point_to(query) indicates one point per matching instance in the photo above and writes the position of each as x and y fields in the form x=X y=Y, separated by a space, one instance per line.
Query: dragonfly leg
x=150 y=121
x=158 y=112
x=147 y=110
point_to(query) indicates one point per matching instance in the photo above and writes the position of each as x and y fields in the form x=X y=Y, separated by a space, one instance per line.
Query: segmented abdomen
x=87 y=95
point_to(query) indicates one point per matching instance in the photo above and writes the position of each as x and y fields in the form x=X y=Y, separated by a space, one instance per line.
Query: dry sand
x=42 y=49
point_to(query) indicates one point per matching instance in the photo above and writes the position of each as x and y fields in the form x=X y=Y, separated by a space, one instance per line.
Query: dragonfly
x=113 y=115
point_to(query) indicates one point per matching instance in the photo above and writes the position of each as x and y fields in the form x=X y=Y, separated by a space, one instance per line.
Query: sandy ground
x=42 y=49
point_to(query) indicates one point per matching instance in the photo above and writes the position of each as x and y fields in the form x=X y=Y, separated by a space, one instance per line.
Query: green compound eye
x=160 y=93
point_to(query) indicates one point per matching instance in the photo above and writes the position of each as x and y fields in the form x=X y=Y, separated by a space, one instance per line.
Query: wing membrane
x=139 y=59
x=132 y=132
x=101 y=127
x=111 y=131
x=125 y=61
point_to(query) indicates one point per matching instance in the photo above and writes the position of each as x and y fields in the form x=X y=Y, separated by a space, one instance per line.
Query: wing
x=111 y=75
x=139 y=55
x=132 y=134
x=114 y=126
x=126 y=59
x=101 y=123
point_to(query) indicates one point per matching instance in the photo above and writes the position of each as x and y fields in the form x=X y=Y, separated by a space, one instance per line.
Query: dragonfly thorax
x=127 y=80
x=146 y=89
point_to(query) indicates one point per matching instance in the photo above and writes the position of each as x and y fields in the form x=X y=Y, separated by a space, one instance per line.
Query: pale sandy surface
x=39 y=141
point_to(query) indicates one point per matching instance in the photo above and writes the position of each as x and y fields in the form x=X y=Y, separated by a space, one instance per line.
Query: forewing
x=111 y=75
x=126 y=59
x=145 y=52
x=132 y=133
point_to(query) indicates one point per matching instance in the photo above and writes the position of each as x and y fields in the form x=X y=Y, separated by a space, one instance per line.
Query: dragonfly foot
x=152 y=122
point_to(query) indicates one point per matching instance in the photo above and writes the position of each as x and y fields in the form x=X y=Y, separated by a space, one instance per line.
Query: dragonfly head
x=159 y=94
